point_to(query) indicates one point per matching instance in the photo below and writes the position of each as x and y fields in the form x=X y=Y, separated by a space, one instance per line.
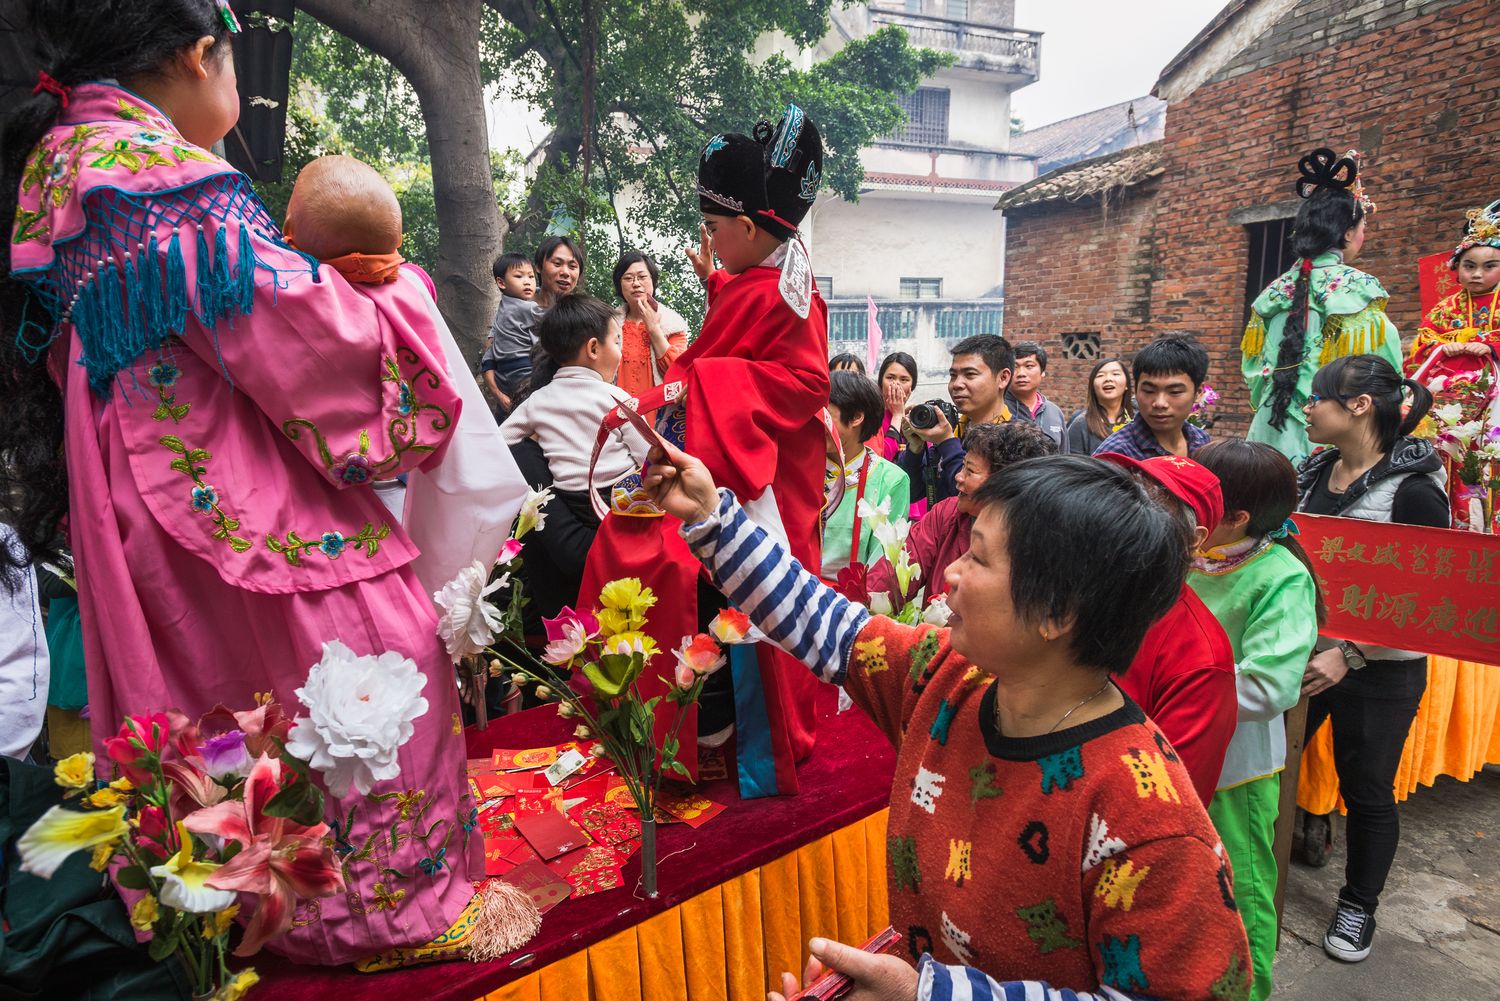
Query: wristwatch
x=1353 y=655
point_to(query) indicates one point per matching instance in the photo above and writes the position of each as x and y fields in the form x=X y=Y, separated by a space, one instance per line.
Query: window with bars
x=926 y=117
x=825 y=285
x=921 y=288
x=853 y=324
x=1270 y=255
x=958 y=10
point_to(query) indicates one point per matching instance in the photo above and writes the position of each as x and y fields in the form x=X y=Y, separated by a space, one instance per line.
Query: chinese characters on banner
x=1406 y=587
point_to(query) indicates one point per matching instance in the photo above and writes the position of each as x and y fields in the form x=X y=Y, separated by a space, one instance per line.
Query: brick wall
x=1421 y=99
x=1411 y=84
x=1080 y=267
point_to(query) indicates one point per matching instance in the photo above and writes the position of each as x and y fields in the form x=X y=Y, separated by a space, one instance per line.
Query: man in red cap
x=1183 y=675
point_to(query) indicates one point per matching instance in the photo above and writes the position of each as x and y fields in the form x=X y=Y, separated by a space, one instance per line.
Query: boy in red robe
x=747 y=397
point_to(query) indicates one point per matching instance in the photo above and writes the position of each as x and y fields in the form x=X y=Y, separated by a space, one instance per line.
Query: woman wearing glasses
x=1373 y=470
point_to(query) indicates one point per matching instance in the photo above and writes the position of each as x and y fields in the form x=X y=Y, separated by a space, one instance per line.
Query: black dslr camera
x=925 y=415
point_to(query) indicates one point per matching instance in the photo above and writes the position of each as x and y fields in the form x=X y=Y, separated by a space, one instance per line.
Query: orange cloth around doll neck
x=367 y=269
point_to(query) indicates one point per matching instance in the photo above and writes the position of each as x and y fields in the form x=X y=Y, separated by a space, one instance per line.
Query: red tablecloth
x=847 y=778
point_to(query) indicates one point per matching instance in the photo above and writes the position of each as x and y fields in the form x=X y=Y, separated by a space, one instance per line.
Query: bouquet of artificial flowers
x=198 y=818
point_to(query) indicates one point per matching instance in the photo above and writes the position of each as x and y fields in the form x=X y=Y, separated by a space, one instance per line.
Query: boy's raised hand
x=703 y=257
x=679 y=484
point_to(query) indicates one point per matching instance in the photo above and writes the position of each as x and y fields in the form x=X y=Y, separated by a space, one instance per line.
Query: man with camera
x=977 y=381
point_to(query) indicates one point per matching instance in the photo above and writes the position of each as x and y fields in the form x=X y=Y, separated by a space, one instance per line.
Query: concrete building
x=931 y=185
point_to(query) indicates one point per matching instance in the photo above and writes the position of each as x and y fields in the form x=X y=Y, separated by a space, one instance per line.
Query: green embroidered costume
x=1345 y=316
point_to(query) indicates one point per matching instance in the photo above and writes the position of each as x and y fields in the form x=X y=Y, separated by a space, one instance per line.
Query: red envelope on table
x=551 y=833
x=607 y=823
x=712 y=764
x=591 y=870
x=541 y=884
x=692 y=809
x=527 y=759
x=535 y=801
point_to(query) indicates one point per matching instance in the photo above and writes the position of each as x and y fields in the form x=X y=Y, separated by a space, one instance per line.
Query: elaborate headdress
x=1323 y=169
x=772 y=178
x=1482 y=230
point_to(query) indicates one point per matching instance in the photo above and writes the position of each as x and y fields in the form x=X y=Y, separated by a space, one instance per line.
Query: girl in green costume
x=1320 y=310
x=1255 y=578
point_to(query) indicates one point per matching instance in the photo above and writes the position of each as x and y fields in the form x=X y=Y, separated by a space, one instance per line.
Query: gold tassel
x=1330 y=344
x=508 y=919
x=1254 y=340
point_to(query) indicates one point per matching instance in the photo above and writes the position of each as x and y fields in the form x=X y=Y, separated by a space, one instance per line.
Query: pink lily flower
x=568 y=634
x=508 y=552
x=280 y=861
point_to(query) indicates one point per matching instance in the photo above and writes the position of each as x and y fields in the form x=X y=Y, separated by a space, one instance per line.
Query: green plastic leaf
x=163 y=946
x=132 y=877
x=300 y=802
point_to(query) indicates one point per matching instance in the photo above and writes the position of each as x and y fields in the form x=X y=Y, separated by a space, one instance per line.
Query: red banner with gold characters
x=1435 y=279
x=1407 y=587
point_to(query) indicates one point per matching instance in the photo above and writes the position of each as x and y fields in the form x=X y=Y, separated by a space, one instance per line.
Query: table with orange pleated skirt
x=739 y=897
x=1454 y=733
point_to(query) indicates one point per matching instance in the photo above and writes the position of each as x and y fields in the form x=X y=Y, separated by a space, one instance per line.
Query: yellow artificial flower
x=76 y=771
x=103 y=799
x=102 y=854
x=215 y=925
x=630 y=642
x=122 y=784
x=59 y=833
x=143 y=915
x=612 y=622
x=185 y=881
x=238 y=986
x=628 y=596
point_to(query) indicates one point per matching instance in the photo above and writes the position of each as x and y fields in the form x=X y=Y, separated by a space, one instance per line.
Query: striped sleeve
x=795 y=610
x=936 y=982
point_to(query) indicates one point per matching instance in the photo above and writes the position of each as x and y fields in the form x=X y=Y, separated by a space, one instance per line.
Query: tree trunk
x=435 y=45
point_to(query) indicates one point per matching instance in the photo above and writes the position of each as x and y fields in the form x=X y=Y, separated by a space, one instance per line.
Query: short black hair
x=505 y=262
x=994 y=350
x=1065 y=517
x=636 y=257
x=1002 y=445
x=856 y=396
x=847 y=360
x=1170 y=355
x=1031 y=349
x=546 y=247
x=565 y=330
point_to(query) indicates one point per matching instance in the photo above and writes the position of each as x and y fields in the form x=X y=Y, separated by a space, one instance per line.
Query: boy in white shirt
x=572 y=388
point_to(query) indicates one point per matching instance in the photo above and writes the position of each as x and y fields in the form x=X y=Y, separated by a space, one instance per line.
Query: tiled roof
x=1093 y=133
x=1088 y=177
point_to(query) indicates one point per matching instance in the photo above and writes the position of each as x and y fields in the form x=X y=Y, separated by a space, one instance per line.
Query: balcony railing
x=977 y=45
x=925 y=328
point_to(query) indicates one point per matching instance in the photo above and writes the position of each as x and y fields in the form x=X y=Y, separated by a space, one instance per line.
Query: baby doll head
x=342 y=206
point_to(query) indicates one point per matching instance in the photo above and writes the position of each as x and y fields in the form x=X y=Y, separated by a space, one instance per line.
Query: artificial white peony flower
x=467 y=622
x=533 y=514
x=874 y=513
x=1448 y=413
x=360 y=713
x=937 y=611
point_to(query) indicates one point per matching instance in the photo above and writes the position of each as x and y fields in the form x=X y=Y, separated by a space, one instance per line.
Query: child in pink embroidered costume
x=221 y=402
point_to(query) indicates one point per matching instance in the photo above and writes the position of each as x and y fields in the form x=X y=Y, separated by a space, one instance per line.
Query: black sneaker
x=1349 y=933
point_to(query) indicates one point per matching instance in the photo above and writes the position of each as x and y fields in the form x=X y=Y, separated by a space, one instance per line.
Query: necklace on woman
x=1080 y=705
x=1065 y=715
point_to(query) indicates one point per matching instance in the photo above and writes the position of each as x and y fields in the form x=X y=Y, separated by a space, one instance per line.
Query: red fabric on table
x=847 y=778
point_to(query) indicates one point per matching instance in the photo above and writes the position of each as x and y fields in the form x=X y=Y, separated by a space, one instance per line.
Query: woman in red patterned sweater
x=1041 y=828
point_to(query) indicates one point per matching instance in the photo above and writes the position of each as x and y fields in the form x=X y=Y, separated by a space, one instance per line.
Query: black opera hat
x=771 y=177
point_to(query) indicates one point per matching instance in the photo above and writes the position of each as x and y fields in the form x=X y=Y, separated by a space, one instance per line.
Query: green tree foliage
x=669 y=75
